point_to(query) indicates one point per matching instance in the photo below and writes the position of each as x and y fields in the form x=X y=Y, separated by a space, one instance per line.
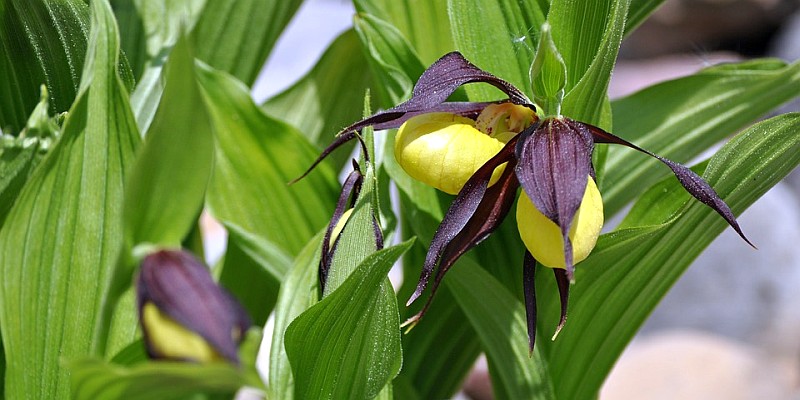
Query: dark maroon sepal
x=181 y=287
x=554 y=162
x=529 y=291
x=693 y=183
x=474 y=196
x=347 y=198
x=563 y=281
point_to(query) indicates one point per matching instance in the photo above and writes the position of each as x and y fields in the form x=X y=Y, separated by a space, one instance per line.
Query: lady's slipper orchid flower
x=560 y=211
x=184 y=314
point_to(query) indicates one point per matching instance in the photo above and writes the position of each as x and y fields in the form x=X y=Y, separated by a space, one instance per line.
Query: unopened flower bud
x=184 y=314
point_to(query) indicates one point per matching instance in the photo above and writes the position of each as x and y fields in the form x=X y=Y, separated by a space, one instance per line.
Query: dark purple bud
x=184 y=314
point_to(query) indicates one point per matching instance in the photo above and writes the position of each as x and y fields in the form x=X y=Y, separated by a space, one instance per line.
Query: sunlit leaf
x=42 y=43
x=60 y=240
x=424 y=24
x=336 y=340
x=509 y=28
x=163 y=21
x=631 y=269
x=681 y=118
x=299 y=291
x=237 y=36
x=499 y=319
x=167 y=188
x=329 y=96
x=588 y=37
x=96 y=379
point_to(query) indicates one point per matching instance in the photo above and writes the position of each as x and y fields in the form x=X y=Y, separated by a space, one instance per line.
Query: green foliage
x=61 y=238
x=82 y=195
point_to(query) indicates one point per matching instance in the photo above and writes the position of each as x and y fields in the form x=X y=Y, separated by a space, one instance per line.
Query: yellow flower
x=542 y=237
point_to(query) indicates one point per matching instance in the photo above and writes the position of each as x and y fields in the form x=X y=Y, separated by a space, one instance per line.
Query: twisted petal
x=554 y=162
x=529 y=290
x=473 y=215
x=431 y=91
x=693 y=183
x=350 y=189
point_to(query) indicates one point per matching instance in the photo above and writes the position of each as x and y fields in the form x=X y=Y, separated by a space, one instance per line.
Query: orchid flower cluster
x=483 y=152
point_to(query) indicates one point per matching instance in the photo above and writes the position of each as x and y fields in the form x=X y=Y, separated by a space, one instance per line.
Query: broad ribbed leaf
x=499 y=319
x=393 y=62
x=498 y=36
x=61 y=238
x=165 y=193
x=41 y=42
x=344 y=347
x=329 y=97
x=163 y=21
x=588 y=36
x=131 y=34
x=424 y=24
x=255 y=158
x=299 y=291
x=702 y=109
x=237 y=36
x=631 y=269
x=96 y=379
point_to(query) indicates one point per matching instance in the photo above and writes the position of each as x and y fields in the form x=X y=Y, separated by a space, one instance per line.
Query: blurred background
x=730 y=328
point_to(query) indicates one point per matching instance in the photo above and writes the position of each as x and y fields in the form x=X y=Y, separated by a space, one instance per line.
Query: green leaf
x=97 y=379
x=679 y=119
x=20 y=155
x=163 y=21
x=588 y=37
x=166 y=191
x=299 y=291
x=498 y=36
x=237 y=36
x=336 y=347
x=252 y=271
x=631 y=269
x=638 y=13
x=255 y=158
x=424 y=24
x=61 y=238
x=131 y=34
x=42 y=42
x=329 y=96
x=499 y=319
x=394 y=64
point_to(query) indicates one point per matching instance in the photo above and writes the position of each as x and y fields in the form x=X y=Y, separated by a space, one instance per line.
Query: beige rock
x=694 y=365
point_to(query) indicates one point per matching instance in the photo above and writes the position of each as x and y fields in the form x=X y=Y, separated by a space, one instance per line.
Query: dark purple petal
x=181 y=287
x=350 y=190
x=431 y=91
x=554 y=162
x=529 y=290
x=461 y=212
x=562 y=280
x=491 y=212
x=693 y=183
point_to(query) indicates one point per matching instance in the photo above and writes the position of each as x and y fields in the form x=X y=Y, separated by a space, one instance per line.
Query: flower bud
x=543 y=237
x=184 y=314
x=444 y=150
